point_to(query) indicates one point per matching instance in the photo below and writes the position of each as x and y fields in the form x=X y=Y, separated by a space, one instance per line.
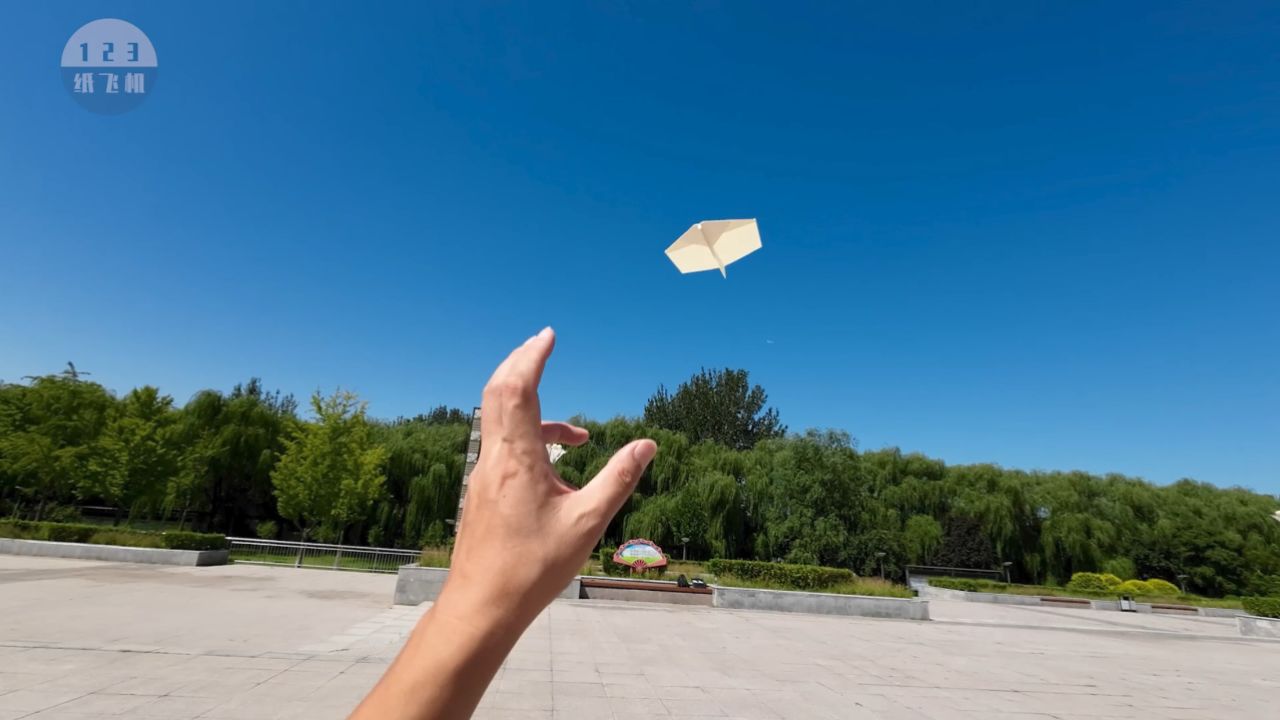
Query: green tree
x=53 y=437
x=331 y=470
x=966 y=545
x=231 y=444
x=138 y=456
x=717 y=405
x=922 y=537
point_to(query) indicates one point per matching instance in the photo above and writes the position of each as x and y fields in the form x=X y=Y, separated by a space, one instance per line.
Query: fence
x=319 y=555
x=918 y=573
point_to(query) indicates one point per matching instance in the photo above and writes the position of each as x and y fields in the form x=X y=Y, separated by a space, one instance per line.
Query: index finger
x=510 y=404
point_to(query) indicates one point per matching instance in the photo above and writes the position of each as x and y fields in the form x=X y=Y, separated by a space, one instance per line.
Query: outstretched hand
x=524 y=533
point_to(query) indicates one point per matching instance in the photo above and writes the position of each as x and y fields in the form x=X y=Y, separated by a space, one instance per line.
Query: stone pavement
x=85 y=640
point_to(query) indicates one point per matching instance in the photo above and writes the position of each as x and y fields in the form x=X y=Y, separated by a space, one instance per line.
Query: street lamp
x=880 y=557
x=684 y=549
x=1182 y=581
x=1006 y=565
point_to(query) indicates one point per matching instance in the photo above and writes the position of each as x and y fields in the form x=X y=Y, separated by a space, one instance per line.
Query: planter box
x=820 y=603
x=113 y=553
x=658 y=591
x=1259 y=627
x=416 y=584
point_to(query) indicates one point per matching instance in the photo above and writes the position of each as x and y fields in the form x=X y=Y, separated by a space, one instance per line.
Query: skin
x=515 y=500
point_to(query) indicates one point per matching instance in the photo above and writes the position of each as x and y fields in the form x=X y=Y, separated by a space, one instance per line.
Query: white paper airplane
x=713 y=244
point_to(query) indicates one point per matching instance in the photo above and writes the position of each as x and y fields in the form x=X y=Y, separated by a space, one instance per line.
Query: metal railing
x=916 y=574
x=319 y=555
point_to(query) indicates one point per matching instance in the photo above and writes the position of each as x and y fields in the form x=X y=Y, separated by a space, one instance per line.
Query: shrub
x=437 y=557
x=1268 y=607
x=1090 y=582
x=1112 y=581
x=268 y=530
x=956 y=584
x=68 y=533
x=1134 y=587
x=99 y=535
x=1163 y=587
x=800 y=577
x=124 y=537
x=193 y=541
x=608 y=565
x=19 y=530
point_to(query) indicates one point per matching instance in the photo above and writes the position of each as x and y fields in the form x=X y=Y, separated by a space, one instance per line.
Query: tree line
x=729 y=481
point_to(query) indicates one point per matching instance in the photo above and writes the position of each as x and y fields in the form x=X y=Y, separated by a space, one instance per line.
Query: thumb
x=600 y=499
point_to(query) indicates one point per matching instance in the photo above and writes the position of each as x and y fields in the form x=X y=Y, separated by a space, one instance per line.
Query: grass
x=861 y=586
x=1053 y=591
x=692 y=569
x=436 y=557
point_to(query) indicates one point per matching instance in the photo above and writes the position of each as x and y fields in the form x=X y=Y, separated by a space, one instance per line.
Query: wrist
x=484 y=614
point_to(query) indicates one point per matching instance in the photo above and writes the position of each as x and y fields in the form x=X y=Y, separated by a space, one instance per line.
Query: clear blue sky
x=1039 y=234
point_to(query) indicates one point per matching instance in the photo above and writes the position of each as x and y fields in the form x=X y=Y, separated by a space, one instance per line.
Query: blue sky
x=1038 y=234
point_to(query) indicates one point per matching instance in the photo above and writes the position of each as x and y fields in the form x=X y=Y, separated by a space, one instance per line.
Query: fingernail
x=544 y=332
x=644 y=451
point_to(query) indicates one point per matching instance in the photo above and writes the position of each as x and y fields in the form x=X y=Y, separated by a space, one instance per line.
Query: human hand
x=524 y=532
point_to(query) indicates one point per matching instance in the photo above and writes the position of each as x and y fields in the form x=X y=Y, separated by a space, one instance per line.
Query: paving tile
x=175 y=707
x=224 y=643
x=102 y=704
x=34 y=700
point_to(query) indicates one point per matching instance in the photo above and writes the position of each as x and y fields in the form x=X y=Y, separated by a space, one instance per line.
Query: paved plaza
x=82 y=640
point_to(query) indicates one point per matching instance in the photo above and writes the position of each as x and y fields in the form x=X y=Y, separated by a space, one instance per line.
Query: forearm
x=446 y=664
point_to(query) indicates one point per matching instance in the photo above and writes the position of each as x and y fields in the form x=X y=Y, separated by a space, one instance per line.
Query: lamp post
x=880 y=557
x=1182 y=582
x=1006 y=565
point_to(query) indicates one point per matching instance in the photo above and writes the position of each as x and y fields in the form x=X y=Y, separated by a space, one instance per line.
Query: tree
x=137 y=457
x=443 y=415
x=330 y=473
x=922 y=537
x=966 y=545
x=717 y=405
x=53 y=437
x=232 y=443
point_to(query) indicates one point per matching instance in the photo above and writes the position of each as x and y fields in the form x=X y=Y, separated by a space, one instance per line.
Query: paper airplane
x=713 y=244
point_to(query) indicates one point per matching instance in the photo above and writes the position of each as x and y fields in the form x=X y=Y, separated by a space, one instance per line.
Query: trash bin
x=1126 y=604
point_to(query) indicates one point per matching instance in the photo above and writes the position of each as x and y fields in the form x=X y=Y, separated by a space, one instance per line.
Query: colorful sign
x=639 y=554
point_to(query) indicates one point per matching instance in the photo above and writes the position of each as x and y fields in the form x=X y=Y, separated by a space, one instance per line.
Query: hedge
x=1268 y=607
x=958 y=584
x=1088 y=582
x=800 y=577
x=107 y=535
x=1163 y=587
x=1134 y=587
x=1093 y=582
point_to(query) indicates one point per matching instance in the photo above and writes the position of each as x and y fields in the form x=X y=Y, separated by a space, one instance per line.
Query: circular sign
x=109 y=66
